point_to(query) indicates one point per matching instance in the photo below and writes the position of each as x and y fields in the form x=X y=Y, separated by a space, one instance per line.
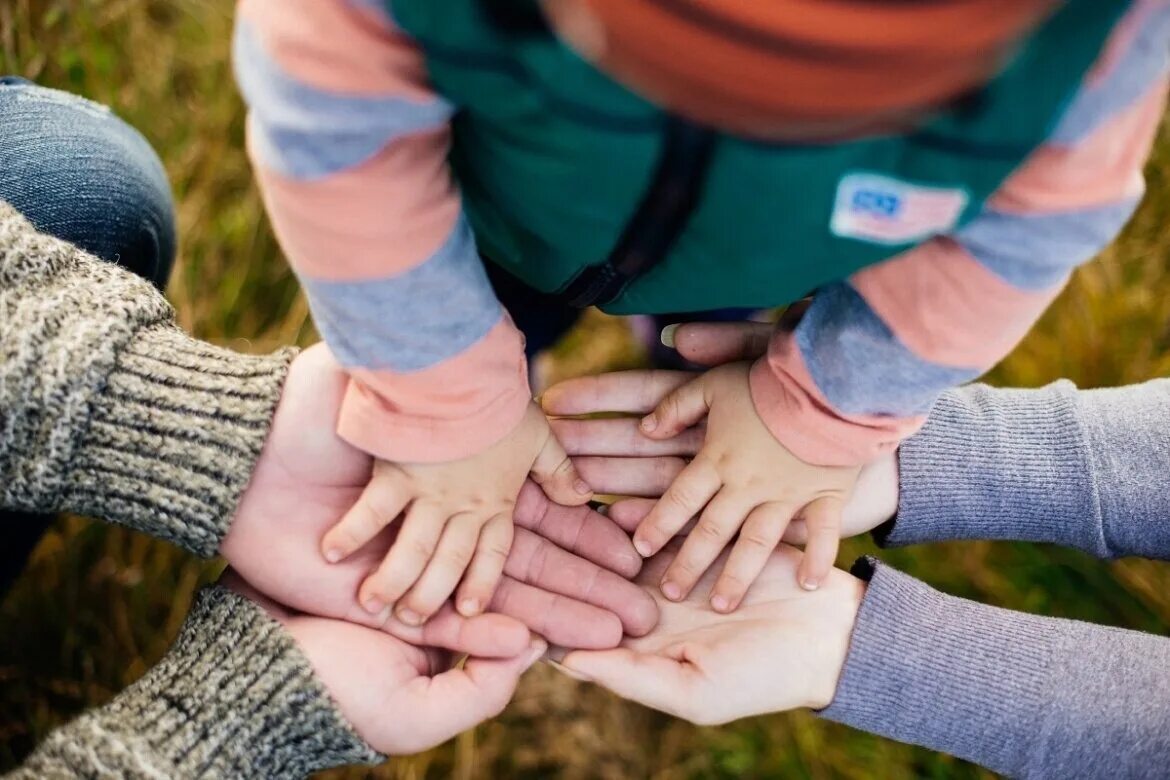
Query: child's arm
x=350 y=146
x=869 y=357
x=864 y=365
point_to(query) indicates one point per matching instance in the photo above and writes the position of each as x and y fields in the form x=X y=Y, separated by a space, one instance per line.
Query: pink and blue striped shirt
x=350 y=145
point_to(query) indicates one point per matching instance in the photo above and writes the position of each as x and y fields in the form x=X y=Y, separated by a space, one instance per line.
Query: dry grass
x=98 y=606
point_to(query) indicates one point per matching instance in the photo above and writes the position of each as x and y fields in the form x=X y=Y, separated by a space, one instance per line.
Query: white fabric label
x=883 y=210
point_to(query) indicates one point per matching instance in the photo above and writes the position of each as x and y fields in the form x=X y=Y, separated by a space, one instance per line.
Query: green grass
x=98 y=606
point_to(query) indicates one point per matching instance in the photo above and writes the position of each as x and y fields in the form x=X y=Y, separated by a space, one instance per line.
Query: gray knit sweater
x=1023 y=695
x=108 y=409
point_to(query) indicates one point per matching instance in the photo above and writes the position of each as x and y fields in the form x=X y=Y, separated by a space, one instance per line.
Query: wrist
x=833 y=649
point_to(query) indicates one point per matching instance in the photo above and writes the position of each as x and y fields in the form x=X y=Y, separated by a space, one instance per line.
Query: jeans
x=78 y=172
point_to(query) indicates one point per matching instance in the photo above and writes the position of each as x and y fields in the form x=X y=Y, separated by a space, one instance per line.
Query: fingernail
x=720 y=604
x=536 y=650
x=602 y=509
x=373 y=605
x=567 y=671
x=667 y=335
x=333 y=555
x=643 y=547
x=556 y=653
x=649 y=423
x=809 y=583
x=409 y=617
x=582 y=487
x=469 y=607
x=671 y=590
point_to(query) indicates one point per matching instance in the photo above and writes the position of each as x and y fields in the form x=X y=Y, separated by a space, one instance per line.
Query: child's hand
x=741 y=480
x=459 y=522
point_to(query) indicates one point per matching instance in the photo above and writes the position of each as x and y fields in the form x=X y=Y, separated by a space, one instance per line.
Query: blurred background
x=98 y=606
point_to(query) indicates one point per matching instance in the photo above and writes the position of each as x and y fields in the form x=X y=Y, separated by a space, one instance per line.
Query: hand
x=783 y=649
x=369 y=673
x=457 y=524
x=565 y=578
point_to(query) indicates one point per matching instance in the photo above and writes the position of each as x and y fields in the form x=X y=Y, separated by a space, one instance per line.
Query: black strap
x=660 y=219
x=516 y=17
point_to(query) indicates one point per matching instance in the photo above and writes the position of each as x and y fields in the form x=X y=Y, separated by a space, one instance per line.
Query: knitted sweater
x=108 y=409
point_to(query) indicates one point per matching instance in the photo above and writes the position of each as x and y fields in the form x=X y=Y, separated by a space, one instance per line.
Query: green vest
x=555 y=160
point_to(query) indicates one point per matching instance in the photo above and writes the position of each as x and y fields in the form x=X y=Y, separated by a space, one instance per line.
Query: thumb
x=679 y=410
x=653 y=680
x=554 y=471
x=716 y=343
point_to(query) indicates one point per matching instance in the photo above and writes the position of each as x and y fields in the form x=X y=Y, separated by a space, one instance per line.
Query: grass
x=98 y=606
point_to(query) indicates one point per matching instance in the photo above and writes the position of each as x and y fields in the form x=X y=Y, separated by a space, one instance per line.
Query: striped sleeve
x=350 y=148
x=861 y=370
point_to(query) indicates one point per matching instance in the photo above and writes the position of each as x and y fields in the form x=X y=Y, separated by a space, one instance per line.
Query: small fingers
x=407 y=559
x=822 y=520
x=685 y=498
x=483 y=575
x=678 y=411
x=758 y=538
x=377 y=507
x=557 y=476
x=454 y=552
x=715 y=529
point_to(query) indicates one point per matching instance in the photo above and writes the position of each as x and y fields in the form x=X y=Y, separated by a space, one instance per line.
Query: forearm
x=1025 y=696
x=233 y=698
x=108 y=409
x=1084 y=469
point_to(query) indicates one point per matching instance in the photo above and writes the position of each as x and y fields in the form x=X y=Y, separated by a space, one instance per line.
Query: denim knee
x=78 y=172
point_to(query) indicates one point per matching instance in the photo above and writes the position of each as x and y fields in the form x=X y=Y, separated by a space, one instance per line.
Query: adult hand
x=614 y=456
x=782 y=649
x=370 y=673
x=567 y=574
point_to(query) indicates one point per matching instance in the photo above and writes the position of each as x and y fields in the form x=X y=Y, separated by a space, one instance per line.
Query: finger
x=557 y=618
x=622 y=437
x=487 y=636
x=678 y=411
x=684 y=499
x=716 y=343
x=630 y=476
x=579 y=529
x=758 y=538
x=378 y=506
x=540 y=563
x=822 y=520
x=557 y=476
x=442 y=573
x=714 y=531
x=406 y=559
x=459 y=699
x=483 y=575
x=634 y=392
x=652 y=680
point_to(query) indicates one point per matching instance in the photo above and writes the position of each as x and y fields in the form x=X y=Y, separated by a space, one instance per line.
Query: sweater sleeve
x=350 y=148
x=233 y=698
x=1025 y=696
x=869 y=358
x=108 y=409
x=1080 y=468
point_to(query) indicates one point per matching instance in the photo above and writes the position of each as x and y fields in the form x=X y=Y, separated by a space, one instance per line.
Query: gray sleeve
x=1025 y=696
x=108 y=409
x=233 y=698
x=1081 y=468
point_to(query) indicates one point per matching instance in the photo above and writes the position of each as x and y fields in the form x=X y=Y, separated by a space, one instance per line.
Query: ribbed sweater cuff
x=173 y=437
x=234 y=697
x=949 y=674
x=999 y=464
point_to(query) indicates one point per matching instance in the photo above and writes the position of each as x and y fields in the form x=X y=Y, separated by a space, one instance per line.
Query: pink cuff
x=789 y=403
